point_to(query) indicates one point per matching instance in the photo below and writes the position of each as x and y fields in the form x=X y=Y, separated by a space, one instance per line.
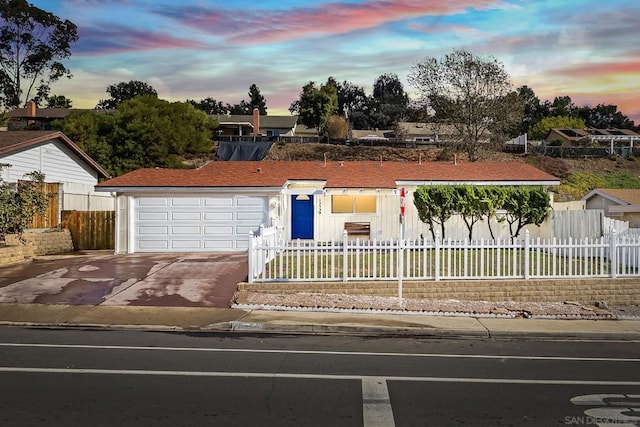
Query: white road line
x=376 y=405
x=326 y=353
x=273 y=375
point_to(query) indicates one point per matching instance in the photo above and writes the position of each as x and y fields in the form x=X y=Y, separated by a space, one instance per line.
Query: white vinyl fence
x=272 y=260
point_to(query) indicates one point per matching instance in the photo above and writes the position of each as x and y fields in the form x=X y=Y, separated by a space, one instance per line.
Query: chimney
x=256 y=122
x=31 y=109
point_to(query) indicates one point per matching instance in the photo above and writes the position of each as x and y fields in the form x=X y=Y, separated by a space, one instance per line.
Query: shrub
x=554 y=166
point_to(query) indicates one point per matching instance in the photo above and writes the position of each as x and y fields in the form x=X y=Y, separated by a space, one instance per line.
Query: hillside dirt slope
x=294 y=151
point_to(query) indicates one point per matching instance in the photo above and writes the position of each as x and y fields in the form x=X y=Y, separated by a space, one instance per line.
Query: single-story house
x=621 y=204
x=70 y=173
x=255 y=124
x=33 y=118
x=215 y=207
x=592 y=136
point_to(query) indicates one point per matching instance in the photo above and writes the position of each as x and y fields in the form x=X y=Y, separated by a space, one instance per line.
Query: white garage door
x=197 y=224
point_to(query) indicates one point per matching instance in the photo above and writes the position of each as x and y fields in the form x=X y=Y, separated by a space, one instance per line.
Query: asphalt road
x=80 y=377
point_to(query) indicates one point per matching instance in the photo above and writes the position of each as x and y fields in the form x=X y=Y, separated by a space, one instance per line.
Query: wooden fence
x=50 y=217
x=90 y=230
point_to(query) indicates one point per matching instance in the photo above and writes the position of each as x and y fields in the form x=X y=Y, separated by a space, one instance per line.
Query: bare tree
x=468 y=92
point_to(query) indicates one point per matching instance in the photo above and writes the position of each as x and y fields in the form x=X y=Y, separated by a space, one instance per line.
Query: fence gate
x=90 y=230
x=50 y=217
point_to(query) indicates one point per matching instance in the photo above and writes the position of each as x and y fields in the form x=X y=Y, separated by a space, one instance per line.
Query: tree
x=354 y=105
x=390 y=101
x=337 y=127
x=524 y=206
x=604 y=116
x=58 y=101
x=33 y=43
x=467 y=92
x=257 y=100
x=209 y=106
x=542 y=128
x=434 y=204
x=533 y=111
x=316 y=105
x=142 y=132
x=19 y=203
x=124 y=91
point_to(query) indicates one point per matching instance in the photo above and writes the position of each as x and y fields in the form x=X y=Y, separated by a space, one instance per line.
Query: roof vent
x=259 y=170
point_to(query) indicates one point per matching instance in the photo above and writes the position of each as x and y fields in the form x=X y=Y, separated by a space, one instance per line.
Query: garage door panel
x=186 y=202
x=185 y=245
x=218 y=216
x=153 y=230
x=153 y=216
x=153 y=245
x=191 y=224
x=222 y=202
x=153 y=201
x=249 y=216
x=213 y=231
x=185 y=230
x=186 y=216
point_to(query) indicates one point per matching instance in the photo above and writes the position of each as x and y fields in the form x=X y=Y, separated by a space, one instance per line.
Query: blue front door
x=302 y=217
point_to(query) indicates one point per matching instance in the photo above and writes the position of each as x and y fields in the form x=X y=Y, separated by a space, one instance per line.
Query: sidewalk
x=307 y=322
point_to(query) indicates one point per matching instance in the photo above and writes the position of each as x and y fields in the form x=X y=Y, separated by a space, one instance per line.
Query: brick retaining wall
x=45 y=243
x=620 y=291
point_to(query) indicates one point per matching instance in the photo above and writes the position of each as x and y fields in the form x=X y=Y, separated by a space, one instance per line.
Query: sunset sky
x=587 y=49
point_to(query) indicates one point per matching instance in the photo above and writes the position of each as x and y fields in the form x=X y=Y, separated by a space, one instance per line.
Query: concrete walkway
x=263 y=321
x=192 y=292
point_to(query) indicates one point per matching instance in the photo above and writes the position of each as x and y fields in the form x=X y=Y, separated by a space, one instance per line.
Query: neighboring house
x=255 y=125
x=592 y=136
x=33 y=118
x=215 y=207
x=621 y=204
x=71 y=173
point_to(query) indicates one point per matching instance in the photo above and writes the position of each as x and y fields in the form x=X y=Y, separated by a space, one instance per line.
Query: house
x=592 y=136
x=215 y=207
x=621 y=204
x=255 y=125
x=70 y=173
x=33 y=118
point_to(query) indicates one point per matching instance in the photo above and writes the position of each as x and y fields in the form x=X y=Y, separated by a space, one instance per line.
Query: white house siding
x=385 y=223
x=54 y=159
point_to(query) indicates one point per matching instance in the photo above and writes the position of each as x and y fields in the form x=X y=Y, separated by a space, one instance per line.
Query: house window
x=353 y=204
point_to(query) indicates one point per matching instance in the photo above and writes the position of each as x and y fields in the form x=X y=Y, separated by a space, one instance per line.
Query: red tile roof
x=352 y=174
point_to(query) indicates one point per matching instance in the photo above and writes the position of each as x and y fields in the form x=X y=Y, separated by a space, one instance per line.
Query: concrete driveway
x=179 y=280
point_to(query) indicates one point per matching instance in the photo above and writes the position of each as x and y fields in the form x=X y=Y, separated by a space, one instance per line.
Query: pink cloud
x=601 y=69
x=332 y=18
x=113 y=39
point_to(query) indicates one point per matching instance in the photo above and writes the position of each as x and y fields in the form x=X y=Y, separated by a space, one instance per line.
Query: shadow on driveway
x=178 y=280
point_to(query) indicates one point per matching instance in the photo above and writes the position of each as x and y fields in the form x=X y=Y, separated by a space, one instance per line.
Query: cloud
x=114 y=39
x=269 y=26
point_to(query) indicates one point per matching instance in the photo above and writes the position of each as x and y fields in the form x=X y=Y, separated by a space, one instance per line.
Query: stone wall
x=620 y=291
x=45 y=243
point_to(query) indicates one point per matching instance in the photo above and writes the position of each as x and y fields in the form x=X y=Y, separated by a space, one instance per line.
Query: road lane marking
x=326 y=353
x=376 y=405
x=274 y=375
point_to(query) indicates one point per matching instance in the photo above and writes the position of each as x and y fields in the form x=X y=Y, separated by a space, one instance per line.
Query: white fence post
x=400 y=266
x=252 y=254
x=526 y=255
x=345 y=252
x=436 y=246
x=613 y=253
